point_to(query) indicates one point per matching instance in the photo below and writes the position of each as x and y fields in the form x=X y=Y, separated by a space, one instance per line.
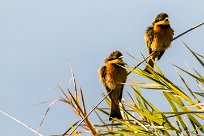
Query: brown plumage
x=112 y=75
x=158 y=38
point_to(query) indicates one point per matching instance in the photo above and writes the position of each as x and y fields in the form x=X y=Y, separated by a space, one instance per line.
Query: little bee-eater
x=158 y=38
x=112 y=75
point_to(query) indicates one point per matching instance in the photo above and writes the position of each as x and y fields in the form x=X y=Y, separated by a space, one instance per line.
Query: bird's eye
x=159 y=19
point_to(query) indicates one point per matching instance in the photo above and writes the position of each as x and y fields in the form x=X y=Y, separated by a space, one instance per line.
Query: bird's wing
x=171 y=31
x=149 y=36
x=102 y=75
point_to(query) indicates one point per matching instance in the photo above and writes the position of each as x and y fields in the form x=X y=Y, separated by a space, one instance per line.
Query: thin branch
x=23 y=124
x=141 y=62
x=88 y=114
x=101 y=119
x=188 y=30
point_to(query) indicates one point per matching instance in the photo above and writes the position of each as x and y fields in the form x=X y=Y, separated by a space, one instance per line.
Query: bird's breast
x=115 y=76
x=163 y=35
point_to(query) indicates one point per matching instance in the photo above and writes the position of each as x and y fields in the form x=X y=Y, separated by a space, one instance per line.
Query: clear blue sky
x=39 y=37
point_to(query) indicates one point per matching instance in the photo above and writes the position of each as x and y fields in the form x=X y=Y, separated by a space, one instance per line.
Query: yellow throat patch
x=116 y=61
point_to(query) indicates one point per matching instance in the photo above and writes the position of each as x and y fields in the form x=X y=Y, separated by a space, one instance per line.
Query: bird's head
x=161 y=19
x=115 y=58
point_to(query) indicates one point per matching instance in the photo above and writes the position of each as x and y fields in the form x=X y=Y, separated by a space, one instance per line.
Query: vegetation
x=141 y=117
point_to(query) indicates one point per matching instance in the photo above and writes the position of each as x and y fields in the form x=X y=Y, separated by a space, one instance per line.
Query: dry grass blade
x=101 y=120
x=58 y=85
x=78 y=107
x=89 y=113
x=73 y=101
x=78 y=110
x=51 y=104
x=84 y=106
x=21 y=123
x=75 y=88
x=73 y=78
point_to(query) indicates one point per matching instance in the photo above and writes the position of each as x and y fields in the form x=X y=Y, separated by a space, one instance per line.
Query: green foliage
x=141 y=116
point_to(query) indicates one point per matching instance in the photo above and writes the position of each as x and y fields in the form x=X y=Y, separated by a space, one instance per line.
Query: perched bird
x=112 y=75
x=158 y=38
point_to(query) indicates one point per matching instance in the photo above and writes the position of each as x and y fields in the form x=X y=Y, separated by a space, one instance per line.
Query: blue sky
x=38 y=39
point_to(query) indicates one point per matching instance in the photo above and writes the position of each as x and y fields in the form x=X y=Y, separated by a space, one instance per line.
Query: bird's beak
x=121 y=57
x=167 y=19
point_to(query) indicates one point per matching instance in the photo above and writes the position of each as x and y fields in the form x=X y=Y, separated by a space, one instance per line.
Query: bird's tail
x=150 y=64
x=115 y=111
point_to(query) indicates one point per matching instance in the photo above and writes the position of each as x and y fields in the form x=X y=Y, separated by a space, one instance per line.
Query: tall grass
x=141 y=116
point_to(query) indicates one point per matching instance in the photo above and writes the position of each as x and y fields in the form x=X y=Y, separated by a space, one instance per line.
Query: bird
x=158 y=38
x=112 y=76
